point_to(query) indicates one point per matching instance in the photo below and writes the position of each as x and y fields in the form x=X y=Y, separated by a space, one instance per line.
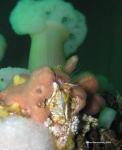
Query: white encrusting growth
x=18 y=133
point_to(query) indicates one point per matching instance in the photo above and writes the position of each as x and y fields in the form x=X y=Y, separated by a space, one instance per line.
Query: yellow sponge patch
x=17 y=80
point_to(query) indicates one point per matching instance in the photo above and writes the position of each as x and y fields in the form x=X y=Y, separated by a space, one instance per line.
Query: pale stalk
x=47 y=47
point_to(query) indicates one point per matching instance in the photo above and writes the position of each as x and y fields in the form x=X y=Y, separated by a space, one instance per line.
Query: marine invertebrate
x=106 y=117
x=55 y=27
x=6 y=75
x=20 y=133
x=95 y=104
x=46 y=100
x=35 y=90
x=88 y=82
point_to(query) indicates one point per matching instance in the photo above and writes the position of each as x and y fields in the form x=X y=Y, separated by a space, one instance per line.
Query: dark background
x=100 y=53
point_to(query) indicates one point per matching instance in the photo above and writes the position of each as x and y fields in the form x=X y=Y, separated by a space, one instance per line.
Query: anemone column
x=47 y=47
x=56 y=28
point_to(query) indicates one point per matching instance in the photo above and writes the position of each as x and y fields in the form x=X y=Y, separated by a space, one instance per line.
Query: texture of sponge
x=19 y=133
